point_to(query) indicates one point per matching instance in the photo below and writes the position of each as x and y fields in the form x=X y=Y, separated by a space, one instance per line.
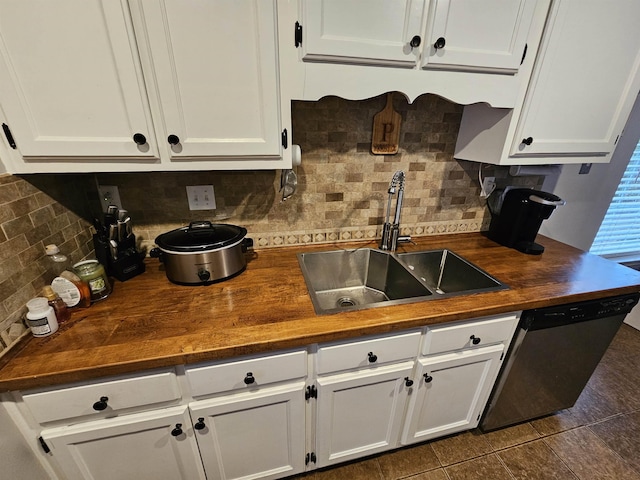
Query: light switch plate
x=109 y=195
x=201 y=197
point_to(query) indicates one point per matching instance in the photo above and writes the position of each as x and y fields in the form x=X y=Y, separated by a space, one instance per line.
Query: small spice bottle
x=93 y=273
x=41 y=318
x=73 y=291
x=59 y=307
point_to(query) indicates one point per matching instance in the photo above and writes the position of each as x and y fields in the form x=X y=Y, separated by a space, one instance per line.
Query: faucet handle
x=405 y=239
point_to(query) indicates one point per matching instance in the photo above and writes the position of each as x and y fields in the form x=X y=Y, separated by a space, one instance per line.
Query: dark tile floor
x=597 y=439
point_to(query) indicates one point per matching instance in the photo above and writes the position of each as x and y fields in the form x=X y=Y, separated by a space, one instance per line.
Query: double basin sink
x=343 y=280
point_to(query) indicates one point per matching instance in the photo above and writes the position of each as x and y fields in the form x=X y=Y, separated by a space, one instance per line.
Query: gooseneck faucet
x=391 y=231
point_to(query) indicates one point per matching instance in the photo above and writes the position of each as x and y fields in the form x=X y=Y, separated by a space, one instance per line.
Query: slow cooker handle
x=157 y=253
x=200 y=224
x=247 y=243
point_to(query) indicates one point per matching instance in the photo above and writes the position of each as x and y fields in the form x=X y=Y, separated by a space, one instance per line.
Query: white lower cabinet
x=158 y=444
x=252 y=435
x=271 y=416
x=450 y=392
x=360 y=413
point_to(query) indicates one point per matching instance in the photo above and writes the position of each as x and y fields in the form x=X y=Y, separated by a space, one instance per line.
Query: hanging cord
x=483 y=192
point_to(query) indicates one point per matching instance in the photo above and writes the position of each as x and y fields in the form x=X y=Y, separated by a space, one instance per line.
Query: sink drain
x=346 y=302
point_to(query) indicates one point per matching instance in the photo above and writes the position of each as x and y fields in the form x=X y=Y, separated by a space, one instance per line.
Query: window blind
x=619 y=233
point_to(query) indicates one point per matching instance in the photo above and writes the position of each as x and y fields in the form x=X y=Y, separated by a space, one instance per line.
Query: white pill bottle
x=41 y=317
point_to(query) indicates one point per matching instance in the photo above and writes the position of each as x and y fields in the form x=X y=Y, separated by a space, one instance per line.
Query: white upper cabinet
x=467 y=51
x=485 y=35
x=137 y=85
x=214 y=69
x=583 y=86
x=70 y=84
x=363 y=31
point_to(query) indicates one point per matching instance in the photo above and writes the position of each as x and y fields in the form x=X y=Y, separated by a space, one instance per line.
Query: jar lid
x=201 y=237
x=38 y=305
x=86 y=266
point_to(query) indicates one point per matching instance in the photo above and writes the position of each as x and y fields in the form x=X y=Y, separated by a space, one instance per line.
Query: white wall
x=588 y=196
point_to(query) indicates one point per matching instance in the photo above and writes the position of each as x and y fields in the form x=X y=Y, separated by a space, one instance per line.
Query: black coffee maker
x=516 y=216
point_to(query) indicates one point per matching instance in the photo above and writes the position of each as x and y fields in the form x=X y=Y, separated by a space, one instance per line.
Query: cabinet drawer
x=488 y=330
x=246 y=374
x=121 y=393
x=373 y=351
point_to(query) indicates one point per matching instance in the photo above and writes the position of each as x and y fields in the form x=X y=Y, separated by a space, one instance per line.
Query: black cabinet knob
x=173 y=139
x=475 y=340
x=527 y=141
x=372 y=358
x=177 y=431
x=427 y=378
x=200 y=425
x=440 y=43
x=408 y=382
x=140 y=139
x=101 y=404
x=415 y=41
x=249 y=379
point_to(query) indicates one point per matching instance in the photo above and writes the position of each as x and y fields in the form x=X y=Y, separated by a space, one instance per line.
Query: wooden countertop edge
x=296 y=333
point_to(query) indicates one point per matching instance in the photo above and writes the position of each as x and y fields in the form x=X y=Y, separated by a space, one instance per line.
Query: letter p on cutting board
x=386 y=130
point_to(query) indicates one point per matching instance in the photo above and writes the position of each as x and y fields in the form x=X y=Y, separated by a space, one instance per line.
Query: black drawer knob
x=372 y=358
x=415 y=41
x=427 y=378
x=101 y=404
x=408 y=382
x=527 y=141
x=440 y=43
x=177 y=431
x=200 y=425
x=140 y=139
x=475 y=340
x=173 y=139
x=249 y=378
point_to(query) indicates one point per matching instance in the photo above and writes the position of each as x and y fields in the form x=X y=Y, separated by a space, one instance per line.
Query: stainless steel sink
x=446 y=273
x=343 y=280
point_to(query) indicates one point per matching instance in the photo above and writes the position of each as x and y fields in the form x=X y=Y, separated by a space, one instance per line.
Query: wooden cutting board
x=386 y=130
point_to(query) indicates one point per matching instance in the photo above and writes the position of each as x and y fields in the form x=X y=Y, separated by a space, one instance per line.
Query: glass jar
x=93 y=273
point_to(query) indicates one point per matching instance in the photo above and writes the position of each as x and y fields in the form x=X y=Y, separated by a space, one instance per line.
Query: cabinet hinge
x=524 y=54
x=44 y=445
x=311 y=392
x=311 y=457
x=285 y=138
x=298 y=34
x=7 y=133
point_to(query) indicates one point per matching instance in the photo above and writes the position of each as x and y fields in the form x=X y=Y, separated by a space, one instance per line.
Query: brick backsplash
x=341 y=193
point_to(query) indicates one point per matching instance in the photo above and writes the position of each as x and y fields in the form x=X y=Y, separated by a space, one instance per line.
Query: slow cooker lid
x=201 y=236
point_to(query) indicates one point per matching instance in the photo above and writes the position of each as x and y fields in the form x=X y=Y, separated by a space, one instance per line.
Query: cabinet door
x=213 y=67
x=585 y=79
x=450 y=392
x=70 y=84
x=362 y=31
x=484 y=35
x=253 y=435
x=131 y=447
x=360 y=413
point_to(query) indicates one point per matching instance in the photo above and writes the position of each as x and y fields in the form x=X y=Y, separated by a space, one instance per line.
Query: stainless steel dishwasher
x=551 y=358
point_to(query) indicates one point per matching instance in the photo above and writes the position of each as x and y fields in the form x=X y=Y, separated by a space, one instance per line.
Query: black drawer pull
x=200 y=425
x=427 y=378
x=101 y=404
x=408 y=382
x=249 y=379
x=177 y=431
x=475 y=340
x=372 y=358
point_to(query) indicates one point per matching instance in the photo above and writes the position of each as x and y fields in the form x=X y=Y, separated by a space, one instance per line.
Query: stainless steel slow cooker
x=203 y=252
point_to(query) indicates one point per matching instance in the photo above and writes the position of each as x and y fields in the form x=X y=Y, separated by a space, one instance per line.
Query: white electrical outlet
x=488 y=186
x=201 y=197
x=109 y=195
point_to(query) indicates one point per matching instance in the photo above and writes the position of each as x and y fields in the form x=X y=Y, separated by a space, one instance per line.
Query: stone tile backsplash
x=341 y=193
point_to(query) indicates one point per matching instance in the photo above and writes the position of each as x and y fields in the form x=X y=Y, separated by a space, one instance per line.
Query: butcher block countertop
x=148 y=322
